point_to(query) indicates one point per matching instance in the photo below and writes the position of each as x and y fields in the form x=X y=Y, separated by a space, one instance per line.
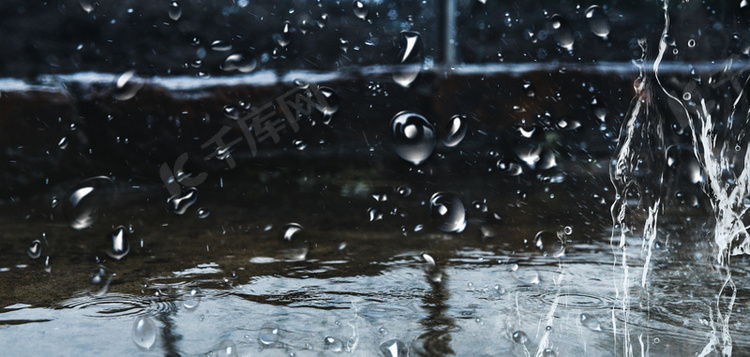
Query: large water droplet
x=598 y=21
x=84 y=203
x=286 y=34
x=413 y=137
x=394 y=348
x=238 y=62
x=448 y=212
x=331 y=105
x=298 y=246
x=126 y=88
x=456 y=130
x=563 y=32
x=120 y=246
x=180 y=204
x=411 y=55
x=175 y=11
x=226 y=348
x=591 y=322
x=360 y=9
x=549 y=244
x=34 y=250
x=144 y=332
x=520 y=337
x=333 y=344
x=269 y=334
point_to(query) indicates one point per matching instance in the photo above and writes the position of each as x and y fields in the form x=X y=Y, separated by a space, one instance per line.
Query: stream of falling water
x=716 y=112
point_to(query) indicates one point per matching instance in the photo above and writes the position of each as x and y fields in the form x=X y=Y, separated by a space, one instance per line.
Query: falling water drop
x=100 y=280
x=598 y=21
x=394 y=348
x=34 y=250
x=84 y=203
x=456 y=130
x=63 y=143
x=203 y=213
x=175 y=11
x=360 y=9
x=299 y=144
x=87 y=5
x=180 y=204
x=549 y=244
x=269 y=334
x=413 y=137
x=563 y=32
x=293 y=238
x=144 y=332
x=120 y=246
x=591 y=322
x=221 y=46
x=448 y=212
x=286 y=34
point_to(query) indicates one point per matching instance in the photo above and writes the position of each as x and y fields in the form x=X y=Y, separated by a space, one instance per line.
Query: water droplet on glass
x=203 y=213
x=520 y=337
x=120 y=246
x=598 y=21
x=411 y=55
x=238 y=62
x=84 y=203
x=456 y=130
x=144 y=332
x=180 y=204
x=286 y=34
x=394 y=348
x=192 y=299
x=448 y=212
x=360 y=10
x=563 y=32
x=590 y=322
x=333 y=344
x=269 y=334
x=126 y=88
x=175 y=11
x=34 y=250
x=221 y=46
x=413 y=137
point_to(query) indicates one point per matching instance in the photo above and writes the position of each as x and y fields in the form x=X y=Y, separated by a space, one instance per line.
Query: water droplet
x=88 y=5
x=175 y=11
x=520 y=337
x=456 y=130
x=413 y=136
x=226 y=348
x=333 y=344
x=563 y=33
x=510 y=168
x=286 y=34
x=598 y=21
x=192 y=299
x=144 y=332
x=404 y=191
x=590 y=322
x=299 y=144
x=221 y=46
x=549 y=329
x=269 y=334
x=568 y=230
x=548 y=352
x=120 y=246
x=35 y=250
x=448 y=212
x=203 y=213
x=180 y=204
x=529 y=90
x=375 y=214
x=292 y=235
x=63 y=143
x=47 y=265
x=600 y=111
x=360 y=10
x=331 y=105
x=394 y=348
x=126 y=88
x=549 y=244
x=84 y=203
x=410 y=54
x=691 y=43
x=238 y=62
